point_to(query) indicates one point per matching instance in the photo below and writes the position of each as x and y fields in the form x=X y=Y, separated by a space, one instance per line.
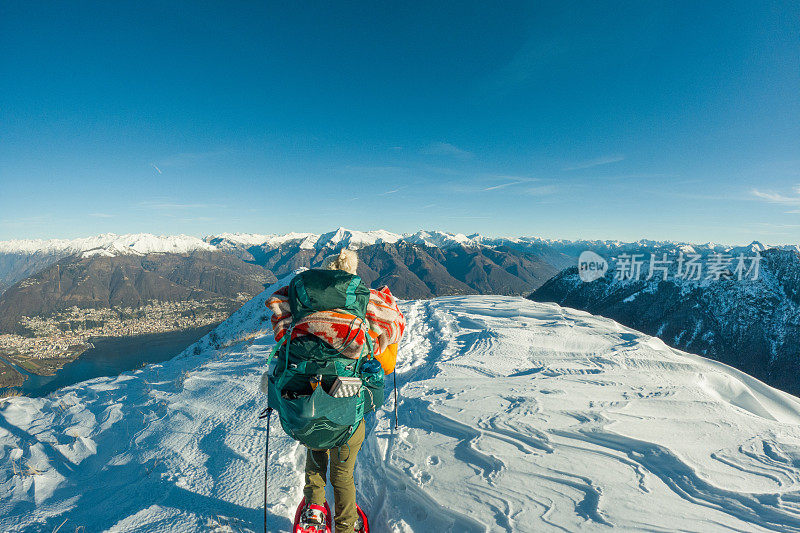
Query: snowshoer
x=337 y=339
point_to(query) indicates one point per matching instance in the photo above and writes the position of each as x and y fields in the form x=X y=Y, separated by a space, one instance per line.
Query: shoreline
x=46 y=366
x=107 y=356
x=10 y=377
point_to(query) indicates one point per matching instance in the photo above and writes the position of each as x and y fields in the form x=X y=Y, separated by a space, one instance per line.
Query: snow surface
x=109 y=244
x=515 y=416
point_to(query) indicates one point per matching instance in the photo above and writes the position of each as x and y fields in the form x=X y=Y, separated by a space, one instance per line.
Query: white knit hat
x=346 y=260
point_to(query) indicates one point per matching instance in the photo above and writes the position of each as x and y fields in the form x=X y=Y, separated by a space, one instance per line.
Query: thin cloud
x=513 y=180
x=526 y=65
x=782 y=226
x=393 y=190
x=777 y=198
x=157 y=169
x=541 y=191
x=385 y=169
x=101 y=215
x=197 y=219
x=478 y=184
x=25 y=221
x=166 y=205
x=650 y=176
x=605 y=160
x=446 y=149
x=502 y=186
x=695 y=196
x=472 y=186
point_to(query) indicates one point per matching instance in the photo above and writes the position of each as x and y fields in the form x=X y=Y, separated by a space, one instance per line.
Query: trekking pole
x=395 y=399
x=266 y=413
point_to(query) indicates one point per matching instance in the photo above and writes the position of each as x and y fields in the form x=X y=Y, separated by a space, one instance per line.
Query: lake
x=111 y=357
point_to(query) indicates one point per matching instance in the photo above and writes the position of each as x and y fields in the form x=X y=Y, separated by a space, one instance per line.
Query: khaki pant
x=342 y=464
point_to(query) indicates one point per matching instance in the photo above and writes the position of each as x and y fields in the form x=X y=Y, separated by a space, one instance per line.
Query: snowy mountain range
x=753 y=327
x=423 y=264
x=751 y=324
x=144 y=243
x=108 y=244
x=515 y=416
x=22 y=258
x=130 y=280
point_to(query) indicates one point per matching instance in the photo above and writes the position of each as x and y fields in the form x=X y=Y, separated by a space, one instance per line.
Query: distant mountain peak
x=306 y=240
x=442 y=239
x=346 y=238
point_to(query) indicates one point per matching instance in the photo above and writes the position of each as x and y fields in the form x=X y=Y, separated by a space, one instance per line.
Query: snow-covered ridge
x=109 y=244
x=515 y=416
x=144 y=243
x=343 y=237
x=226 y=240
x=339 y=238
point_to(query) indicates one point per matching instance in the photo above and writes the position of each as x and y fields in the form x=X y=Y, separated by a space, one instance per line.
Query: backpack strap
x=275 y=349
x=350 y=294
x=368 y=347
x=302 y=295
x=285 y=374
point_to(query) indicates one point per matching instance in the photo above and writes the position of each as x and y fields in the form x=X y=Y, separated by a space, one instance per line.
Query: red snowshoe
x=363 y=516
x=306 y=527
x=302 y=524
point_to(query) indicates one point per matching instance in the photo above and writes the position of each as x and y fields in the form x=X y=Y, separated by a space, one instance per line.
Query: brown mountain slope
x=130 y=281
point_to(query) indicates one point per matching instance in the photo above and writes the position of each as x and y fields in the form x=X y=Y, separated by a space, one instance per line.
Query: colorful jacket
x=345 y=332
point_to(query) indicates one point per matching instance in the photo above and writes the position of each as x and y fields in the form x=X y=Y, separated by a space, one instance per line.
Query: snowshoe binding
x=312 y=518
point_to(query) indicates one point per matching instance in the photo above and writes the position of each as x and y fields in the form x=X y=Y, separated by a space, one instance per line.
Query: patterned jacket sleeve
x=385 y=318
x=278 y=303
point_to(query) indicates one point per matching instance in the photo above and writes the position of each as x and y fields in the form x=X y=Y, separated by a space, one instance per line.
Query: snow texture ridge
x=514 y=416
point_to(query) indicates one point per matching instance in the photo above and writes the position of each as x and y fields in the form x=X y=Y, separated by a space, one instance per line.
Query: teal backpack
x=311 y=415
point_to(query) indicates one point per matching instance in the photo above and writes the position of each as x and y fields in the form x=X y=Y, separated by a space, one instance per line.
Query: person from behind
x=379 y=333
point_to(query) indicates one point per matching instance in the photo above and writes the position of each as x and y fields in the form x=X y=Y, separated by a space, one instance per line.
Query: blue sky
x=674 y=120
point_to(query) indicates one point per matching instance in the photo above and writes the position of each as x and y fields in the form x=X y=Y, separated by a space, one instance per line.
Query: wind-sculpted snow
x=514 y=416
